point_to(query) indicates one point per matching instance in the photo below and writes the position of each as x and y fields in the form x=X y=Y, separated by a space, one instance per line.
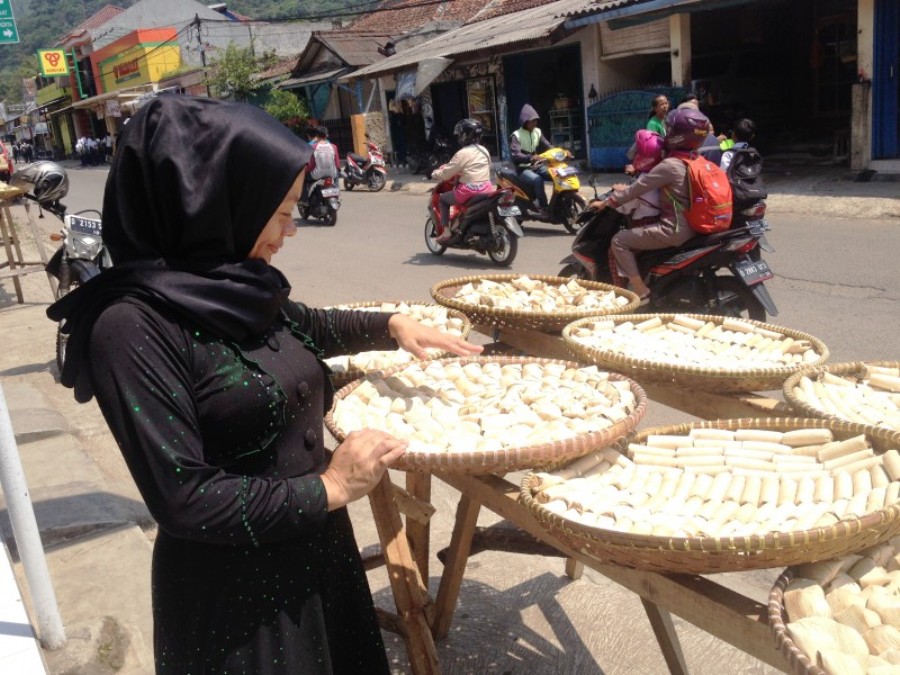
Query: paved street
x=836 y=278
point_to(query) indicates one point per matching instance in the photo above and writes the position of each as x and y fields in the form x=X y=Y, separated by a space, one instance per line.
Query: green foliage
x=288 y=109
x=231 y=75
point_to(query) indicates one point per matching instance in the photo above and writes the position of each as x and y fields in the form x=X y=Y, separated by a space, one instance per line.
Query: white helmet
x=46 y=181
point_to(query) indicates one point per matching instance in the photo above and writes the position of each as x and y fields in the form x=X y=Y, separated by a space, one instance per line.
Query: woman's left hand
x=414 y=338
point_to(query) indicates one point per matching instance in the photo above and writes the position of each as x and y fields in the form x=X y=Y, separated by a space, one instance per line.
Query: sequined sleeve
x=141 y=370
x=339 y=332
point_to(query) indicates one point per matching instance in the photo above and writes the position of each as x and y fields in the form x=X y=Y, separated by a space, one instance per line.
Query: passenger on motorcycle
x=472 y=165
x=325 y=161
x=686 y=128
x=525 y=144
x=649 y=149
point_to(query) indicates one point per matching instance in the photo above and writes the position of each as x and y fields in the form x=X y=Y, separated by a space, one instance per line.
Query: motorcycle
x=81 y=257
x=565 y=204
x=370 y=171
x=324 y=201
x=487 y=224
x=439 y=151
x=687 y=278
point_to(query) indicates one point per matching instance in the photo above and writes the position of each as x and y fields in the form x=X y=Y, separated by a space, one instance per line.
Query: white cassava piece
x=433 y=316
x=870 y=397
x=454 y=407
x=723 y=483
x=844 y=614
x=527 y=294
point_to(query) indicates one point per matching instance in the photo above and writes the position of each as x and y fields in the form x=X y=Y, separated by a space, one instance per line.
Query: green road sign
x=9 y=34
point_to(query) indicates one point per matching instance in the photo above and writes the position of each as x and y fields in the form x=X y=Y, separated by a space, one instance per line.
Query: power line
x=362 y=8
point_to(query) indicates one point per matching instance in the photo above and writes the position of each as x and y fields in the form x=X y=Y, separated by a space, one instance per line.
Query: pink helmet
x=649 y=147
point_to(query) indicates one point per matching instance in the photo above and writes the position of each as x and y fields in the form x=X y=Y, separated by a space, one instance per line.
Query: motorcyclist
x=319 y=165
x=472 y=165
x=525 y=144
x=686 y=129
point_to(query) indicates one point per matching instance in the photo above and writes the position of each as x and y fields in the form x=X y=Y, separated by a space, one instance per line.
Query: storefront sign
x=112 y=108
x=127 y=70
x=52 y=62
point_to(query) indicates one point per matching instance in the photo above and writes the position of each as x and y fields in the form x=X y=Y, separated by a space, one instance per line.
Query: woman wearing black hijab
x=213 y=385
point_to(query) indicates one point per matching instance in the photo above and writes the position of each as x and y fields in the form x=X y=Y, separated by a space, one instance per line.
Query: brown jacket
x=670 y=175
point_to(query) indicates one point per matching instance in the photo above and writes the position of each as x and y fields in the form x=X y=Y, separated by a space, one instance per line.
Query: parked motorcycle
x=439 y=150
x=565 y=204
x=722 y=273
x=487 y=224
x=369 y=171
x=324 y=201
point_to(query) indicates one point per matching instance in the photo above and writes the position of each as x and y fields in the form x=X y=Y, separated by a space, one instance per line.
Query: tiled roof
x=283 y=67
x=400 y=16
x=99 y=18
x=356 y=48
x=501 y=7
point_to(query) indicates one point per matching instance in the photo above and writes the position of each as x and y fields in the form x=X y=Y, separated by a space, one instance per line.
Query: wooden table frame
x=16 y=266
x=721 y=612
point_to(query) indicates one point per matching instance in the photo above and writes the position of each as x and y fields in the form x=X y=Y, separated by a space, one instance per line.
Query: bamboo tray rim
x=801 y=663
x=650 y=545
x=509 y=459
x=611 y=357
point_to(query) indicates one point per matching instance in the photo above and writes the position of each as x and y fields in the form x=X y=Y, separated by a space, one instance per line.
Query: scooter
x=369 y=171
x=486 y=224
x=566 y=202
x=324 y=201
x=722 y=273
x=81 y=257
x=439 y=150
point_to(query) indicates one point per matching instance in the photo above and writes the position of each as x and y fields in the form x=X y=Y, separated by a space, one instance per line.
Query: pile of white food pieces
x=872 y=399
x=434 y=316
x=527 y=294
x=486 y=406
x=732 y=344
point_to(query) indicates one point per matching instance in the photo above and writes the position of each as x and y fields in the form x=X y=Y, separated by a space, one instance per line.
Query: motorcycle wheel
x=573 y=270
x=504 y=256
x=376 y=181
x=330 y=220
x=348 y=185
x=570 y=208
x=303 y=211
x=431 y=236
x=736 y=300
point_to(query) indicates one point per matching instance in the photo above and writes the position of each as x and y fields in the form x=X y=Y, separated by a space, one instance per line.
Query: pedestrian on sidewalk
x=213 y=384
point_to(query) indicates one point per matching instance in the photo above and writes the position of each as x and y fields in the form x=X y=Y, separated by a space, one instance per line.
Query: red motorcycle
x=370 y=171
x=486 y=224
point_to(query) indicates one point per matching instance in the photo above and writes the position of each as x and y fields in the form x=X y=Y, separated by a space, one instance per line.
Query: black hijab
x=192 y=185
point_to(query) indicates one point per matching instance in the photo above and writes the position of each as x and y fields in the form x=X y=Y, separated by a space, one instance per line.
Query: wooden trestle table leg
x=8 y=234
x=418 y=485
x=406 y=584
x=664 y=629
x=455 y=565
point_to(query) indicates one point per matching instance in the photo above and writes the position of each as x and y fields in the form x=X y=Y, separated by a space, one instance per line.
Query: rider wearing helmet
x=47 y=182
x=649 y=150
x=686 y=129
x=471 y=166
x=525 y=144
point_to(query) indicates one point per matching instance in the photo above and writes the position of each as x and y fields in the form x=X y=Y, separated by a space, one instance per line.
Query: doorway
x=885 y=90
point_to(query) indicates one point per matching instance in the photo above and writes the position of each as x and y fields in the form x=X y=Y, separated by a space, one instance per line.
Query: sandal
x=644 y=300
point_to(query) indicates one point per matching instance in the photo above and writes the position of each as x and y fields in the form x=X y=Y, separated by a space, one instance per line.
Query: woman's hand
x=597 y=204
x=414 y=338
x=358 y=464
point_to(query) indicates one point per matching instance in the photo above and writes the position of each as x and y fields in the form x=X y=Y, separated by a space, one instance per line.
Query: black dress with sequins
x=251 y=573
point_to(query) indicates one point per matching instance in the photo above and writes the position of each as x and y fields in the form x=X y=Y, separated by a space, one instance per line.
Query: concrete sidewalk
x=98 y=535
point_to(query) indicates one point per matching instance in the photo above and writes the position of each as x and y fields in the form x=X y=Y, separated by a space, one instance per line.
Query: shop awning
x=543 y=24
x=319 y=77
x=632 y=12
x=120 y=95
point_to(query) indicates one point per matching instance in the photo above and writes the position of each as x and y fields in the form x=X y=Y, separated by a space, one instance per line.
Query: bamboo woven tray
x=708 y=555
x=507 y=459
x=720 y=380
x=851 y=371
x=800 y=662
x=546 y=322
x=339 y=379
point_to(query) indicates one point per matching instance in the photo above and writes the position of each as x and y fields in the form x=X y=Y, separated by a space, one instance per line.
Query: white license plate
x=377 y=162
x=567 y=171
x=331 y=192
x=506 y=211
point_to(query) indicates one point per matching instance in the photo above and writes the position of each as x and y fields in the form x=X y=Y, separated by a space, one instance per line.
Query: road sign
x=9 y=34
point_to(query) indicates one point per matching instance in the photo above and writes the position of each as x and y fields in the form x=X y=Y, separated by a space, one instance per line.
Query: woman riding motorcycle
x=686 y=129
x=472 y=165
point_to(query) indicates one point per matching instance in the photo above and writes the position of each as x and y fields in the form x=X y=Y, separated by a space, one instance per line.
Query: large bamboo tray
x=716 y=379
x=341 y=378
x=800 y=662
x=507 y=459
x=852 y=371
x=707 y=555
x=545 y=322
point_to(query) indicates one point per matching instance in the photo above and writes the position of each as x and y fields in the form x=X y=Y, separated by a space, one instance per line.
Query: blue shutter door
x=885 y=91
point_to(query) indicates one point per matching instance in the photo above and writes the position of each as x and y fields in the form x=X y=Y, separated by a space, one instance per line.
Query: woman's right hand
x=358 y=464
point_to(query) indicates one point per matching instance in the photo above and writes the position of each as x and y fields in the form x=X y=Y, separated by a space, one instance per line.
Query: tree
x=287 y=109
x=231 y=76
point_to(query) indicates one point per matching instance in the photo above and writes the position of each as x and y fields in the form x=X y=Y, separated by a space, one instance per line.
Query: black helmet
x=686 y=129
x=46 y=181
x=468 y=131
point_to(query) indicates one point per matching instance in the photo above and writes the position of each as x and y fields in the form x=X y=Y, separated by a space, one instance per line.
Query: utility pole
x=202 y=48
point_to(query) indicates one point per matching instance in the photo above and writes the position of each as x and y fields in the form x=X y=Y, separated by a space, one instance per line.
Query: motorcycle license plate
x=331 y=192
x=567 y=171
x=752 y=272
x=506 y=211
x=84 y=225
x=377 y=162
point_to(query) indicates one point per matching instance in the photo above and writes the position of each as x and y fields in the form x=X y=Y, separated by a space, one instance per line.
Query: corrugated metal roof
x=354 y=47
x=524 y=26
x=312 y=78
x=283 y=67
